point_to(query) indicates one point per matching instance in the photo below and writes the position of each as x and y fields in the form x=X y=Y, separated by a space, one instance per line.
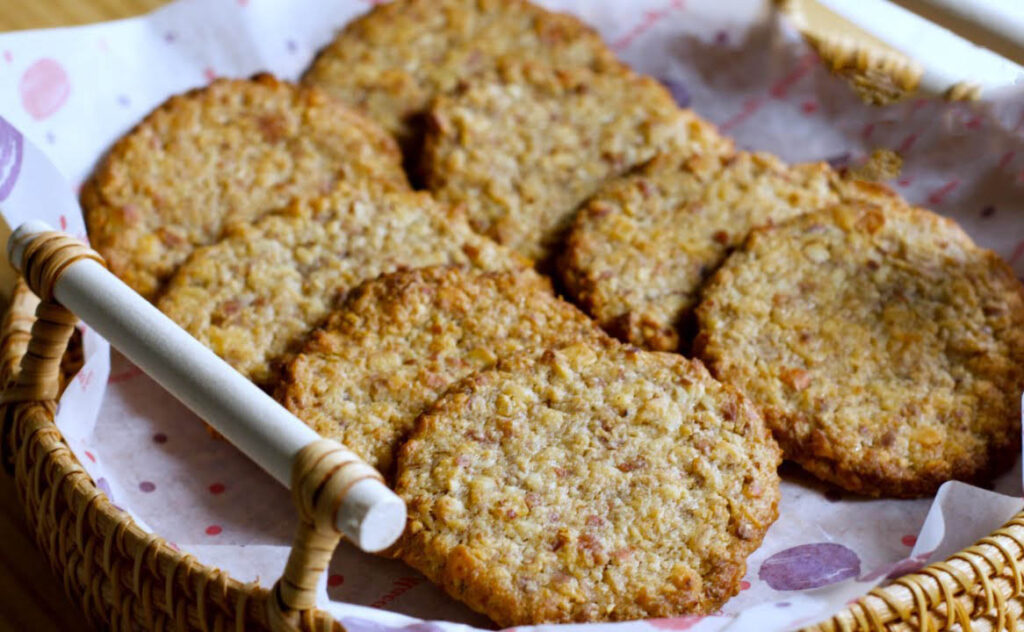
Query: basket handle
x=336 y=493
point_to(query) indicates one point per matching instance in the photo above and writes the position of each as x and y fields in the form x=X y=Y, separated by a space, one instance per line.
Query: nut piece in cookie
x=883 y=347
x=596 y=482
x=400 y=340
x=642 y=247
x=523 y=147
x=254 y=296
x=229 y=152
x=392 y=61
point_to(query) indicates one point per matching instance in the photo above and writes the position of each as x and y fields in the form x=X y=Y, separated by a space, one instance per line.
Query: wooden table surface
x=32 y=598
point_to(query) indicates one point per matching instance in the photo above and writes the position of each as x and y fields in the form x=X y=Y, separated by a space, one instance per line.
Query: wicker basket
x=125 y=578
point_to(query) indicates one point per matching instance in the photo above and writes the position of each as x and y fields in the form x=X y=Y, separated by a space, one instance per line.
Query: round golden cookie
x=253 y=296
x=593 y=483
x=231 y=151
x=884 y=349
x=641 y=248
x=400 y=340
x=392 y=61
x=522 y=148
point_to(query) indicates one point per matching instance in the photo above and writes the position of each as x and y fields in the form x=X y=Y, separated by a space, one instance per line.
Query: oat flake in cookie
x=593 y=483
x=400 y=340
x=256 y=294
x=392 y=61
x=641 y=248
x=231 y=151
x=883 y=347
x=523 y=147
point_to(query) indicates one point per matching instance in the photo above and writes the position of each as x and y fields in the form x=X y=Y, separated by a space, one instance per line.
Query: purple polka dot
x=170 y=36
x=988 y=211
x=291 y=46
x=104 y=487
x=11 y=146
x=679 y=91
x=782 y=604
x=809 y=566
x=146 y=486
x=123 y=100
x=159 y=438
x=51 y=137
x=909 y=565
x=894 y=571
x=722 y=38
x=839 y=161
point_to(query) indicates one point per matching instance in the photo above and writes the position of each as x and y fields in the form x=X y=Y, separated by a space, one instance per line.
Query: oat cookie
x=593 y=483
x=400 y=340
x=884 y=349
x=231 y=151
x=641 y=248
x=392 y=61
x=254 y=295
x=523 y=148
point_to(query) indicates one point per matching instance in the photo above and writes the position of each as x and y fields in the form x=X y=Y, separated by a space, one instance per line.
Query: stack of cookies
x=562 y=461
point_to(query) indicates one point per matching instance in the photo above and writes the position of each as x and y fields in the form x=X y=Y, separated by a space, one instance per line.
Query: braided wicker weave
x=126 y=578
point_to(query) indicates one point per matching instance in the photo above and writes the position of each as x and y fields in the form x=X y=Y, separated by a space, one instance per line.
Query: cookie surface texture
x=392 y=61
x=523 y=148
x=593 y=483
x=400 y=340
x=253 y=296
x=232 y=151
x=884 y=349
x=642 y=247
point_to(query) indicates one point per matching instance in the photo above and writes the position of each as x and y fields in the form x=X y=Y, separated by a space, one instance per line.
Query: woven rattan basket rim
x=978 y=588
x=121 y=575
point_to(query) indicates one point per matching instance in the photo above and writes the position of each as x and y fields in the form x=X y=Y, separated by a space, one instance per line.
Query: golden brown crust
x=523 y=147
x=642 y=247
x=253 y=296
x=231 y=151
x=392 y=61
x=593 y=483
x=885 y=349
x=400 y=340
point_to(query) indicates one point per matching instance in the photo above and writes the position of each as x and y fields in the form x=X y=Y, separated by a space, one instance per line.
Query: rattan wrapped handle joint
x=335 y=492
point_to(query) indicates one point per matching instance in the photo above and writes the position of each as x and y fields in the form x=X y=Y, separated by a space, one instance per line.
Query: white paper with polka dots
x=73 y=91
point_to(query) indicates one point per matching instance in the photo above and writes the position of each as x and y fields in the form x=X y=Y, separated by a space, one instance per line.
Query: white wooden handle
x=946 y=58
x=370 y=515
x=995 y=24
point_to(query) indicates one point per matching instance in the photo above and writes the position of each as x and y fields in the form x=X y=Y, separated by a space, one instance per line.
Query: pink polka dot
x=213 y=529
x=809 y=107
x=159 y=438
x=217 y=488
x=744 y=585
x=146 y=486
x=210 y=74
x=909 y=540
x=8 y=57
x=44 y=88
x=90 y=456
x=335 y=580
